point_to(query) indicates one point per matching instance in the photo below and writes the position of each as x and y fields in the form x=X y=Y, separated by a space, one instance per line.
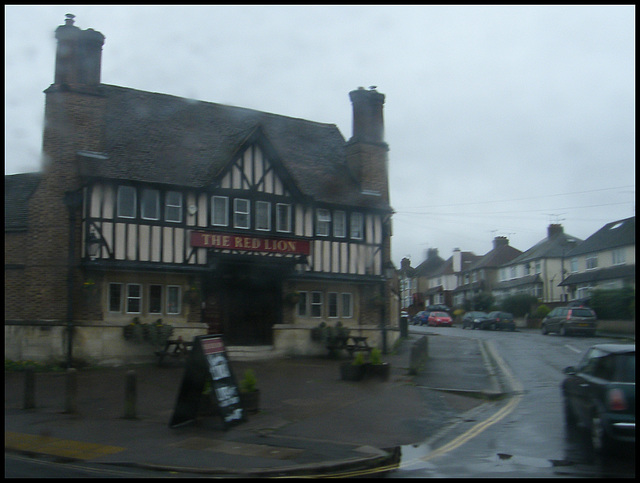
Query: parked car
x=438 y=308
x=600 y=395
x=499 y=320
x=440 y=318
x=421 y=318
x=570 y=320
x=473 y=320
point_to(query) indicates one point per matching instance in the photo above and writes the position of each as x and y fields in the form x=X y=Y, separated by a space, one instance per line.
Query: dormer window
x=126 y=202
x=323 y=220
x=150 y=204
x=241 y=212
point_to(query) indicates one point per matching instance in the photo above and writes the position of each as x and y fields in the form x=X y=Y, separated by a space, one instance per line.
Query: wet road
x=522 y=436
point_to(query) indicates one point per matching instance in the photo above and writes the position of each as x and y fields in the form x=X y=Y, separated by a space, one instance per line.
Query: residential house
x=605 y=260
x=443 y=282
x=539 y=270
x=483 y=274
x=203 y=216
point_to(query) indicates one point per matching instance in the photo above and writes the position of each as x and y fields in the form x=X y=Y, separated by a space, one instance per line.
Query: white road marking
x=570 y=347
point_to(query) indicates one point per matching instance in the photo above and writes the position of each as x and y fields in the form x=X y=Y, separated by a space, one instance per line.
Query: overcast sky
x=500 y=119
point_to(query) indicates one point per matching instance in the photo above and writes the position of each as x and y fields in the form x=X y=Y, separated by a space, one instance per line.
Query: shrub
x=376 y=356
x=249 y=381
x=614 y=304
x=358 y=360
x=519 y=305
x=541 y=311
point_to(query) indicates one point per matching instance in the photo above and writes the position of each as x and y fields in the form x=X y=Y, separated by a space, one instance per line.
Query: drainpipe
x=73 y=200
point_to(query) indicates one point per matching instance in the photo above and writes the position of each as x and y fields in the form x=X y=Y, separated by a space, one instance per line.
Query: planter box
x=250 y=401
x=379 y=371
x=350 y=372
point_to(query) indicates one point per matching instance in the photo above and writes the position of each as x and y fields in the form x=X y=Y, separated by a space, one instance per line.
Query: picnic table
x=174 y=348
x=350 y=343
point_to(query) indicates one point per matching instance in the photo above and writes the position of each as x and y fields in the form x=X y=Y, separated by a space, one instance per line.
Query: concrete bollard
x=419 y=355
x=71 y=399
x=130 y=395
x=29 y=389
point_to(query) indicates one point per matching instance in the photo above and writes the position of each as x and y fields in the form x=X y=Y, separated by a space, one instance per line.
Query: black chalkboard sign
x=208 y=362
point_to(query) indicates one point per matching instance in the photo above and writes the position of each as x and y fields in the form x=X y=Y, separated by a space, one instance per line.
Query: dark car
x=570 y=320
x=421 y=318
x=473 y=320
x=600 y=395
x=438 y=308
x=498 y=321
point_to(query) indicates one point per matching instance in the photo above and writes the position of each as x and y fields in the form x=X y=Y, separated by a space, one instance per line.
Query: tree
x=519 y=305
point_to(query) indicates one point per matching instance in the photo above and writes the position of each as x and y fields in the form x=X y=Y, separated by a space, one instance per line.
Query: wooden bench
x=174 y=348
x=358 y=344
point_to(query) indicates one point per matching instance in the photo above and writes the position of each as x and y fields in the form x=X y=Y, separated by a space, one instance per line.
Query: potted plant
x=378 y=368
x=354 y=370
x=249 y=392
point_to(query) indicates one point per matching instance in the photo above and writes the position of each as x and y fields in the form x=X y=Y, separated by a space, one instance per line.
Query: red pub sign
x=227 y=241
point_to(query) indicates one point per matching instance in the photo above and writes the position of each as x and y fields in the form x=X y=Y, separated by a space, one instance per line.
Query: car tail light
x=617 y=402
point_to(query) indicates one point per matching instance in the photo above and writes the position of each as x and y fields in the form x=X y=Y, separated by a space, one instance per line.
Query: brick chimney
x=554 y=230
x=366 y=150
x=78 y=55
x=499 y=241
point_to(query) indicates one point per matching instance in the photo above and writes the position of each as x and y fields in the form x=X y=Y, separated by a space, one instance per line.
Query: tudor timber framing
x=253 y=176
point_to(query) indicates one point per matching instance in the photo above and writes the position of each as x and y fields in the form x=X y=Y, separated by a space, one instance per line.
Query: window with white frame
x=219 y=210
x=316 y=304
x=283 y=217
x=173 y=299
x=155 y=299
x=333 y=304
x=592 y=262
x=150 y=204
x=618 y=257
x=302 y=304
x=339 y=224
x=573 y=265
x=126 y=202
x=173 y=206
x=356 y=226
x=263 y=215
x=347 y=305
x=115 y=297
x=323 y=221
x=513 y=271
x=134 y=298
x=241 y=213
x=538 y=266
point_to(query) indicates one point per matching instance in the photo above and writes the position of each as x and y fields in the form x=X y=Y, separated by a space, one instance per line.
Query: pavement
x=310 y=422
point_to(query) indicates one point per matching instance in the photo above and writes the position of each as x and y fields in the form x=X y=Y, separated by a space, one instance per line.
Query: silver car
x=570 y=320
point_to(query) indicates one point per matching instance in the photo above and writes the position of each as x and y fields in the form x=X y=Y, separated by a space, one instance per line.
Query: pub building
x=207 y=217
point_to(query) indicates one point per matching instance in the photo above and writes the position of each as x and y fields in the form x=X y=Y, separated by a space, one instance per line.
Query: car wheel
x=599 y=439
x=544 y=329
x=563 y=331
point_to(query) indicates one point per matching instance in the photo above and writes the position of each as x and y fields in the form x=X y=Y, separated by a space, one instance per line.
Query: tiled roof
x=17 y=190
x=556 y=246
x=159 y=138
x=609 y=273
x=498 y=256
x=612 y=235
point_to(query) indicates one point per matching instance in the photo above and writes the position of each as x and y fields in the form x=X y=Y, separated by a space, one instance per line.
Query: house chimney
x=432 y=253
x=78 y=55
x=366 y=152
x=499 y=241
x=457 y=260
x=368 y=124
x=554 y=230
x=405 y=264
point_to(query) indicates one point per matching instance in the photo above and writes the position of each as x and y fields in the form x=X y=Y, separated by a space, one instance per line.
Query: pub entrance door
x=248 y=303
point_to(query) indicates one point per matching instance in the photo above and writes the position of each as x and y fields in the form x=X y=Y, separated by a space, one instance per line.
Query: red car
x=440 y=318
